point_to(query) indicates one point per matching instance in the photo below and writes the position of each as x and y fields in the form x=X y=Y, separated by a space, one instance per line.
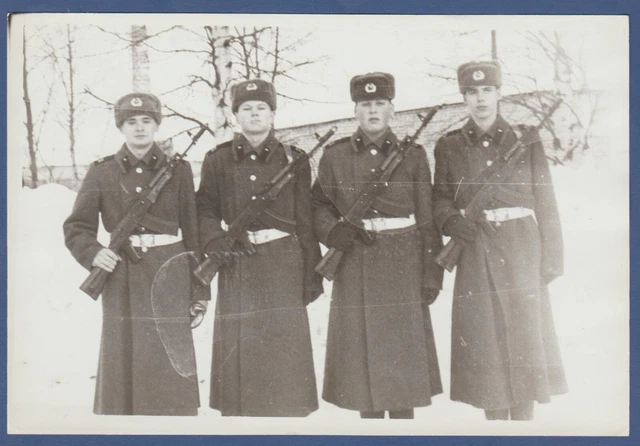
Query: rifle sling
x=486 y=177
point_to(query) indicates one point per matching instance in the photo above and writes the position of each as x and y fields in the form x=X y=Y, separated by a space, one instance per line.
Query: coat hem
x=539 y=400
x=178 y=413
x=410 y=405
x=259 y=413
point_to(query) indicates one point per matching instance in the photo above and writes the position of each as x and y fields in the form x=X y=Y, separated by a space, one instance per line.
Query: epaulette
x=522 y=129
x=455 y=132
x=219 y=146
x=337 y=141
x=103 y=159
x=298 y=150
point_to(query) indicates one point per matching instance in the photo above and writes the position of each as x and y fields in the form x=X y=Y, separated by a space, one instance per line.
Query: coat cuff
x=323 y=227
x=432 y=279
x=549 y=268
x=199 y=291
x=89 y=254
x=441 y=220
x=209 y=230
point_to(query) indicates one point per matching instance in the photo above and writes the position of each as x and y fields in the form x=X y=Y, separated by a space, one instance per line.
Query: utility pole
x=494 y=45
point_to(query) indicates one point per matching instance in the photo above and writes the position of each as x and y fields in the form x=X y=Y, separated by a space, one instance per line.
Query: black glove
x=429 y=295
x=342 y=236
x=461 y=229
x=222 y=249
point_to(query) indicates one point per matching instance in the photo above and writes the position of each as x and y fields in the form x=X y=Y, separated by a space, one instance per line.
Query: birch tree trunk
x=29 y=124
x=141 y=81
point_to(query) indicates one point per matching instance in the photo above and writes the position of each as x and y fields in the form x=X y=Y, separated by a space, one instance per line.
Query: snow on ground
x=54 y=332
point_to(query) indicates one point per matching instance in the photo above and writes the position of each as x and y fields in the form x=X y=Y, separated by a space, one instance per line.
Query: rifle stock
x=207 y=270
x=94 y=283
x=448 y=257
x=329 y=264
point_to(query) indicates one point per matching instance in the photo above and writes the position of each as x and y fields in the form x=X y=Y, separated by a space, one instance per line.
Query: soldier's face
x=255 y=117
x=373 y=116
x=482 y=101
x=139 y=131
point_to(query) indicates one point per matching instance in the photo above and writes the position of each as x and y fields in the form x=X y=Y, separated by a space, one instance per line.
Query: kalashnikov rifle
x=502 y=169
x=237 y=231
x=375 y=188
x=120 y=242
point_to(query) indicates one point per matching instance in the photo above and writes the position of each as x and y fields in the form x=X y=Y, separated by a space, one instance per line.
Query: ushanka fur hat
x=134 y=104
x=253 y=90
x=366 y=87
x=474 y=74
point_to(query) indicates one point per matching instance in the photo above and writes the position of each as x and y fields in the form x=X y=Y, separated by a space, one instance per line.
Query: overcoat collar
x=241 y=147
x=126 y=160
x=473 y=133
x=359 y=141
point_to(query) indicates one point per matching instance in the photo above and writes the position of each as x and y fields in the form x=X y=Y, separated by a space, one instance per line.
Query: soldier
x=505 y=353
x=262 y=359
x=381 y=353
x=147 y=367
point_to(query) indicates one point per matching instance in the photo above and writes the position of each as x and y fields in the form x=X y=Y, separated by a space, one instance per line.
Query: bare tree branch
x=175 y=113
x=104 y=101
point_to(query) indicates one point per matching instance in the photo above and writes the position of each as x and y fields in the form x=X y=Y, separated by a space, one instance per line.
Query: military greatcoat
x=380 y=350
x=147 y=360
x=504 y=345
x=262 y=359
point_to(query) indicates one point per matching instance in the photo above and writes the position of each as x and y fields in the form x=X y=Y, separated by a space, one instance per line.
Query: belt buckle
x=144 y=246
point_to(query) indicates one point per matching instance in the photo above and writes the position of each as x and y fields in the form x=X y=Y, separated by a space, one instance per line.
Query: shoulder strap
x=519 y=130
x=288 y=151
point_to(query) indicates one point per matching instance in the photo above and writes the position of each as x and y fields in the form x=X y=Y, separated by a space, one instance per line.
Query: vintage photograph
x=329 y=224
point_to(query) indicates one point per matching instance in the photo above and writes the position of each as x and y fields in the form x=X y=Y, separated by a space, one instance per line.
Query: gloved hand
x=342 y=236
x=429 y=295
x=197 y=310
x=461 y=229
x=223 y=248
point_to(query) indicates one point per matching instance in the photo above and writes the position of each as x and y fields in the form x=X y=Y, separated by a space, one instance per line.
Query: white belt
x=266 y=235
x=505 y=214
x=378 y=224
x=261 y=236
x=145 y=241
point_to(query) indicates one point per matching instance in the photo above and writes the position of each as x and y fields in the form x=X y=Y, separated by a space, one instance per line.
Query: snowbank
x=55 y=328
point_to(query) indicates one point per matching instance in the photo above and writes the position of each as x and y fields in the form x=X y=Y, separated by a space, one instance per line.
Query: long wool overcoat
x=504 y=345
x=147 y=360
x=262 y=359
x=380 y=350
